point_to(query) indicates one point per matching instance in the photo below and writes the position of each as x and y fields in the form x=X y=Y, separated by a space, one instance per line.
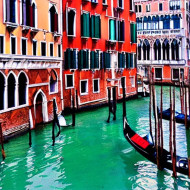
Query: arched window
x=33 y=21
x=146 y=50
x=166 y=50
x=139 y=51
x=53 y=20
x=149 y=23
x=166 y=22
x=22 y=90
x=53 y=81
x=2 y=91
x=155 y=22
x=145 y=23
x=175 y=50
x=176 y=21
x=11 y=91
x=157 y=50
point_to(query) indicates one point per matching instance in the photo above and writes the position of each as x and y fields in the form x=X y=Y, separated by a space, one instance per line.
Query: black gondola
x=179 y=117
x=145 y=147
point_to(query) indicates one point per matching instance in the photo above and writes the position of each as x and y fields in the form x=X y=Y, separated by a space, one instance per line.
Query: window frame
x=51 y=43
x=3 y=37
x=155 y=73
x=21 y=50
x=15 y=45
x=33 y=47
x=68 y=35
x=57 y=84
x=66 y=87
x=84 y=93
x=96 y=79
x=45 y=48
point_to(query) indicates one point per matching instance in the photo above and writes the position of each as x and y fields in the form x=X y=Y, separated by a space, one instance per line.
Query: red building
x=99 y=47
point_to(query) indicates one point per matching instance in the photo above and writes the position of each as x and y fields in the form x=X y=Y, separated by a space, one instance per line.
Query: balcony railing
x=161 y=62
x=180 y=32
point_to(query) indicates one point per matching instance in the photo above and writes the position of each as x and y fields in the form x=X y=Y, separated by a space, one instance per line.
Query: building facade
x=30 y=62
x=99 y=48
x=163 y=38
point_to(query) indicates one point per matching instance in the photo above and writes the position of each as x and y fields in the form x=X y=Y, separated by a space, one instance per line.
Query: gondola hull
x=147 y=149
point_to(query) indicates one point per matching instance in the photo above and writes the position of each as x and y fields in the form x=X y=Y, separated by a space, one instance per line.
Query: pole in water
x=124 y=105
x=109 y=104
x=30 y=135
x=114 y=103
x=2 y=145
x=73 y=112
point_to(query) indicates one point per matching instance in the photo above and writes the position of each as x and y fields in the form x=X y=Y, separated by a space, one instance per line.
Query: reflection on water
x=93 y=155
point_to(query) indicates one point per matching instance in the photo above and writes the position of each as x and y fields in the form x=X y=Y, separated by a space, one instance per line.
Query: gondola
x=145 y=146
x=179 y=117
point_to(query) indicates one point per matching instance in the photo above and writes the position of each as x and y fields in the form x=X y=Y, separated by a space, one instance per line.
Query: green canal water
x=93 y=155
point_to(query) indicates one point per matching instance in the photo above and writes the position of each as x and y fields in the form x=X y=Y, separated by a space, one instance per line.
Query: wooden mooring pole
x=73 y=111
x=30 y=134
x=2 y=145
x=150 y=103
x=124 y=104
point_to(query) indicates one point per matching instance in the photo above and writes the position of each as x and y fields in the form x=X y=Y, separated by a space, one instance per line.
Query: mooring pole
x=30 y=134
x=124 y=105
x=109 y=104
x=2 y=145
x=114 y=103
x=174 y=136
x=171 y=116
x=76 y=99
x=186 y=125
x=73 y=112
x=150 y=104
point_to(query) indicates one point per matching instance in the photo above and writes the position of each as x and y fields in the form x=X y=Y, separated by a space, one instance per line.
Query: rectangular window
x=175 y=74
x=136 y=8
x=132 y=81
x=106 y=60
x=121 y=31
x=71 y=59
x=95 y=26
x=95 y=59
x=1 y=44
x=131 y=5
x=140 y=9
x=121 y=60
x=120 y=4
x=148 y=8
x=59 y=50
x=43 y=48
x=84 y=59
x=84 y=87
x=133 y=31
x=85 y=25
x=71 y=22
x=112 y=30
x=158 y=73
x=34 y=47
x=160 y=7
x=104 y=2
x=69 y=81
x=51 y=49
x=24 y=46
x=13 y=45
x=96 y=86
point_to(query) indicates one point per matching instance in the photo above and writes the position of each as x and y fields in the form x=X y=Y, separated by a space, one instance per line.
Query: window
x=176 y=21
x=34 y=47
x=11 y=11
x=84 y=87
x=160 y=6
x=1 y=44
x=139 y=51
x=166 y=22
x=71 y=22
x=130 y=60
x=71 y=59
x=24 y=46
x=175 y=49
x=22 y=81
x=59 y=50
x=175 y=74
x=104 y=2
x=121 y=60
x=95 y=59
x=146 y=50
x=140 y=8
x=139 y=24
x=158 y=73
x=96 y=86
x=85 y=24
x=166 y=49
x=11 y=91
x=95 y=26
x=132 y=81
x=120 y=4
x=107 y=60
x=157 y=50
x=53 y=19
x=148 y=8
x=13 y=45
x=51 y=49
x=131 y=5
x=121 y=31
x=2 y=91
x=53 y=82
x=69 y=81
x=43 y=48
x=175 y=4
x=133 y=32
x=112 y=30
x=136 y=8
x=84 y=59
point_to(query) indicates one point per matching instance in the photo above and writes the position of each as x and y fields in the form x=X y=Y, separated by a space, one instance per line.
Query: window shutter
x=102 y=60
x=97 y=26
x=24 y=12
x=123 y=60
x=55 y=22
x=122 y=30
x=128 y=60
x=133 y=33
x=112 y=32
x=81 y=59
x=96 y=60
x=68 y=59
x=31 y=16
x=12 y=11
x=107 y=60
x=73 y=61
x=93 y=26
x=119 y=60
x=7 y=10
x=88 y=25
x=92 y=60
x=131 y=60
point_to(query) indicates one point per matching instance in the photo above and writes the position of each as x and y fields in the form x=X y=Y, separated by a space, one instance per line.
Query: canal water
x=93 y=155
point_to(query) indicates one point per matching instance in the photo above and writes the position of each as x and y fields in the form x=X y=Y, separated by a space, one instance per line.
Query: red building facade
x=99 y=47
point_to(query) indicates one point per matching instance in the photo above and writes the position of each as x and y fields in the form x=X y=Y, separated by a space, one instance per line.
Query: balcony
x=161 y=62
x=178 y=32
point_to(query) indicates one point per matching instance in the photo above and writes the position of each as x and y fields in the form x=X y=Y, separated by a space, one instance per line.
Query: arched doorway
x=40 y=107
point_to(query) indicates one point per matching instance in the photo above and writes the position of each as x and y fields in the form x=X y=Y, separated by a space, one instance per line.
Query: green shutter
x=68 y=59
x=73 y=58
x=131 y=62
x=97 y=26
x=119 y=60
x=112 y=32
x=88 y=25
x=81 y=59
x=92 y=60
x=93 y=26
x=133 y=31
x=96 y=60
x=107 y=60
x=86 y=59
x=128 y=60
x=85 y=31
x=123 y=60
